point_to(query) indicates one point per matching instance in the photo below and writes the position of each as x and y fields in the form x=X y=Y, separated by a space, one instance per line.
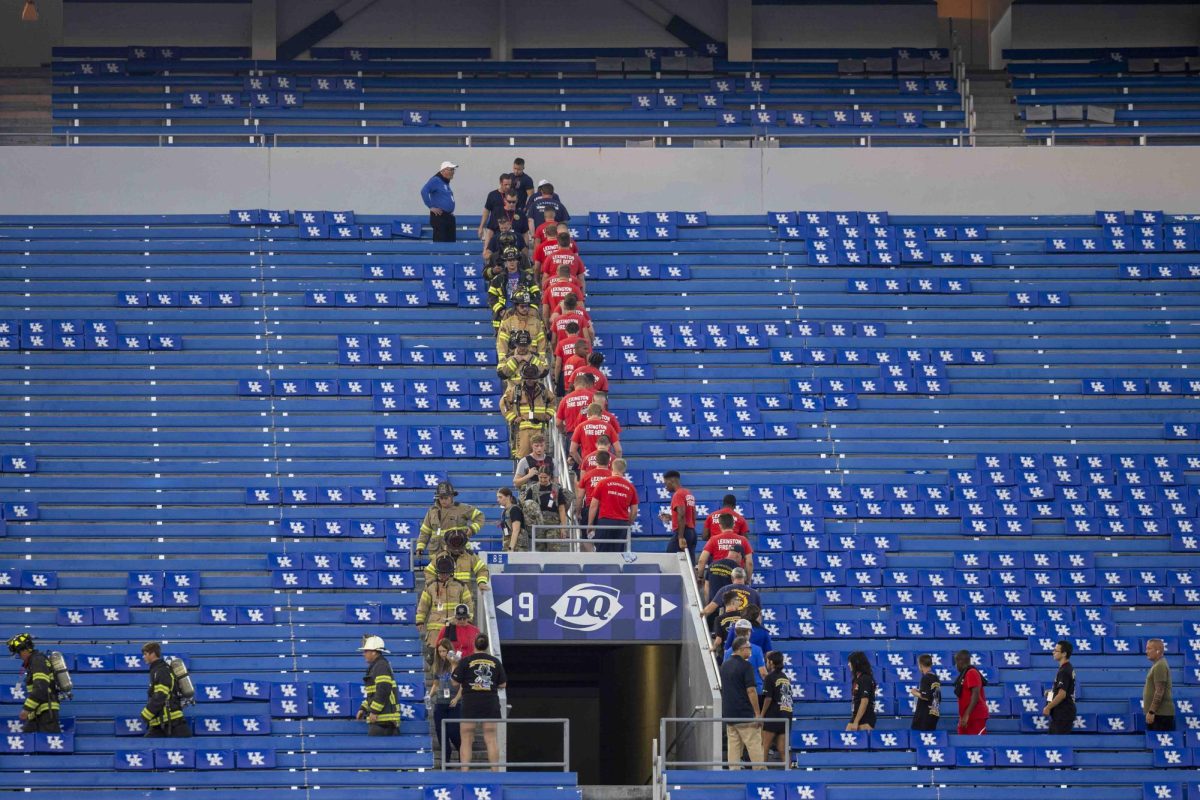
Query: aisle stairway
x=25 y=116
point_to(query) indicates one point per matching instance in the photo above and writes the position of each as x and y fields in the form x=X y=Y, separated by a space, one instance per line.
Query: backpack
x=532 y=511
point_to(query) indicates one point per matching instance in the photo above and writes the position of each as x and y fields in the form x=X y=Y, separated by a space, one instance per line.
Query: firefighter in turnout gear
x=40 y=712
x=379 y=707
x=511 y=368
x=521 y=318
x=444 y=514
x=529 y=407
x=164 y=706
x=465 y=567
x=509 y=284
x=442 y=594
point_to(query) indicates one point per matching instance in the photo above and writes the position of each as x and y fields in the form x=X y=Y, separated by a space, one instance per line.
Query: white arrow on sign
x=506 y=607
x=665 y=606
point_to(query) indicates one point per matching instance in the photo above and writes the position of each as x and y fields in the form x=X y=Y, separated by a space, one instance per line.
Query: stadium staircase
x=25 y=116
x=945 y=432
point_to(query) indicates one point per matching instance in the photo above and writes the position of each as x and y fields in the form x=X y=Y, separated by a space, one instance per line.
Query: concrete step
x=26 y=139
x=1008 y=140
x=24 y=101
x=990 y=91
x=24 y=113
x=22 y=125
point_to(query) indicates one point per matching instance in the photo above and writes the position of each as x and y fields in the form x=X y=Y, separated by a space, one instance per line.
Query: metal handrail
x=502 y=736
x=866 y=139
x=578 y=540
x=664 y=763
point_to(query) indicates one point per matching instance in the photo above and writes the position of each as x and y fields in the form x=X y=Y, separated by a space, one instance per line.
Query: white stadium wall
x=385 y=181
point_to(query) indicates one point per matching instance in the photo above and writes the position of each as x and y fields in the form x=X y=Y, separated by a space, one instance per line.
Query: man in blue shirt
x=439 y=199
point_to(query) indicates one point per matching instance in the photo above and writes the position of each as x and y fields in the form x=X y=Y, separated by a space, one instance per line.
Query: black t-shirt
x=512 y=514
x=746 y=594
x=736 y=677
x=537 y=205
x=1064 y=680
x=517 y=215
x=523 y=185
x=778 y=688
x=929 y=704
x=727 y=620
x=720 y=575
x=479 y=673
x=494 y=202
x=863 y=687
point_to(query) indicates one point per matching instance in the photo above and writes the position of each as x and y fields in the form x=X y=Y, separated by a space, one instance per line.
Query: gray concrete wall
x=1125 y=25
x=385 y=181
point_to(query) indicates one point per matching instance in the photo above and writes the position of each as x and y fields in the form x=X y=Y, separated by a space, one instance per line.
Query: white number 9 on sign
x=525 y=604
x=647 y=606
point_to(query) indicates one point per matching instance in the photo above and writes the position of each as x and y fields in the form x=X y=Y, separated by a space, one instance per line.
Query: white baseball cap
x=447 y=165
x=373 y=643
x=541 y=183
x=741 y=624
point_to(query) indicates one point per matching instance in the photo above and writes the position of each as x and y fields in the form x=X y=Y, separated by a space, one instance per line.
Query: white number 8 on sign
x=647 y=606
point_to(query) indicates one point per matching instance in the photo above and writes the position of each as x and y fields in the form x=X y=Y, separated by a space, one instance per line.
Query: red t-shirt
x=617 y=496
x=550 y=246
x=590 y=479
x=683 y=504
x=572 y=364
x=590 y=461
x=717 y=546
x=601 y=379
x=566 y=347
x=611 y=419
x=464 y=641
x=572 y=406
x=558 y=288
x=712 y=527
x=540 y=232
x=577 y=316
x=552 y=261
x=972 y=679
x=588 y=431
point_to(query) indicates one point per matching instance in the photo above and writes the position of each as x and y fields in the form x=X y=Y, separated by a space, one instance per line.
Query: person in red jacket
x=583 y=441
x=574 y=405
x=612 y=510
x=712 y=525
